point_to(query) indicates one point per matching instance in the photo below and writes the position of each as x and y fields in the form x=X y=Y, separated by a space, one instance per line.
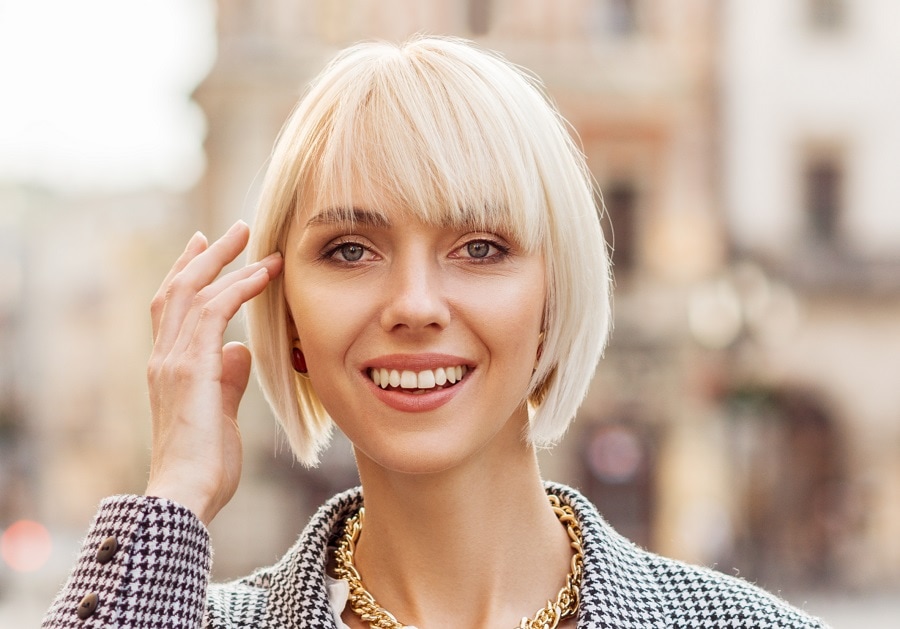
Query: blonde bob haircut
x=452 y=135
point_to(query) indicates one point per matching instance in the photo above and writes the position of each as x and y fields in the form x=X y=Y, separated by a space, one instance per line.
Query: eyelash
x=502 y=251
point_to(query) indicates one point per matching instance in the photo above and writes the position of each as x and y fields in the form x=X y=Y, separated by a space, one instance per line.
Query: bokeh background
x=747 y=413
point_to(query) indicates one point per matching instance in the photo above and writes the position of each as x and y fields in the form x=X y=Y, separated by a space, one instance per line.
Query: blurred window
x=826 y=16
x=824 y=182
x=790 y=484
x=623 y=17
x=479 y=16
x=618 y=469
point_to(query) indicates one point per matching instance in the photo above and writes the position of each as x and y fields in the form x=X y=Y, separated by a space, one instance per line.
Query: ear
x=293 y=337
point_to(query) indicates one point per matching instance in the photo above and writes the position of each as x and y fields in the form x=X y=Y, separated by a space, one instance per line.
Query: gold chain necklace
x=364 y=605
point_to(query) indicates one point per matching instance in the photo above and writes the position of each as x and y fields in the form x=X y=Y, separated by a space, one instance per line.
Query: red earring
x=298 y=361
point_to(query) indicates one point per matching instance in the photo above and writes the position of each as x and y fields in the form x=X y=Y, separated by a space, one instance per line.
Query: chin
x=418 y=459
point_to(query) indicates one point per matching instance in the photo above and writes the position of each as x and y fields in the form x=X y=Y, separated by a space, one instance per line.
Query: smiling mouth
x=417 y=382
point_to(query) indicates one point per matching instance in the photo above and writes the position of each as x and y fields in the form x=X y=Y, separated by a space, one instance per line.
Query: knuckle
x=183 y=370
x=152 y=371
x=179 y=285
x=157 y=303
x=207 y=312
x=202 y=298
x=156 y=365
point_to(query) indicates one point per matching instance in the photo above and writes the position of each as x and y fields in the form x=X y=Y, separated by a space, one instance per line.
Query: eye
x=482 y=250
x=350 y=252
x=478 y=249
x=347 y=252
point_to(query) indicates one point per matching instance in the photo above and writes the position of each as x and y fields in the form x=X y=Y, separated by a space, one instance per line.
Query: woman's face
x=420 y=340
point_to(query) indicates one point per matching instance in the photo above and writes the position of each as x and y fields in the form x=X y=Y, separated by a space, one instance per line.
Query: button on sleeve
x=107 y=549
x=88 y=605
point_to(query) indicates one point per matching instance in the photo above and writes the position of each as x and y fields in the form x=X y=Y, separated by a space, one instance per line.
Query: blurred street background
x=747 y=413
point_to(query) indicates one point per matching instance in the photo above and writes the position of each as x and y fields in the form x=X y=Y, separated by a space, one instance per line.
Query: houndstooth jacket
x=145 y=564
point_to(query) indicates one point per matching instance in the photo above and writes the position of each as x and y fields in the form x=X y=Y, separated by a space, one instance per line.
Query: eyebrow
x=339 y=215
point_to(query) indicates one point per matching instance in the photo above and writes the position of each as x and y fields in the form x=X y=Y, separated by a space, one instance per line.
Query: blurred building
x=753 y=244
x=76 y=275
x=810 y=135
x=745 y=414
x=635 y=80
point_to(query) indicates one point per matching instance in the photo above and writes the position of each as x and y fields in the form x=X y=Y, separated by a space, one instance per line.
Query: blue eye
x=351 y=252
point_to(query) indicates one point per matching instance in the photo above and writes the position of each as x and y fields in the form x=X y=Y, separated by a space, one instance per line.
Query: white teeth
x=409 y=380
x=426 y=379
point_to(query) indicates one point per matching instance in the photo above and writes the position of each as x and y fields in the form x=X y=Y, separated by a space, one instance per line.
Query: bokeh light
x=26 y=546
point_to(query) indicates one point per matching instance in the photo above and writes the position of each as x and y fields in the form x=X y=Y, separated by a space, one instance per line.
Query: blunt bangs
x=420 y=133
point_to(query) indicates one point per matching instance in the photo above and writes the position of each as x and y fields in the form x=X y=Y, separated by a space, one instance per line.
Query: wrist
x=198 y=505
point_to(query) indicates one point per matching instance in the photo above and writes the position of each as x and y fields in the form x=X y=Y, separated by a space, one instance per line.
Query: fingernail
x=197 y=238
x=235 y=227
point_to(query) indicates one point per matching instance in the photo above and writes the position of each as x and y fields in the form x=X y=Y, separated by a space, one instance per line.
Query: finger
x=203 y=341
x=252 y=280
x=197 y=244
x=272 y=264
x=235 y=375
x=197 y=273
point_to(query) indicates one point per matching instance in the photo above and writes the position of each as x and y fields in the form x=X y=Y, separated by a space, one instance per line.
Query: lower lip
x=417 y=402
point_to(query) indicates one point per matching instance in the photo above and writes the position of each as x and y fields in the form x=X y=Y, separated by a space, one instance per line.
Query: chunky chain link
x=367 y=608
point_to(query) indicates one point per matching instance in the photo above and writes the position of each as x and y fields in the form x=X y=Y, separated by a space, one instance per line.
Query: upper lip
x=415 y=362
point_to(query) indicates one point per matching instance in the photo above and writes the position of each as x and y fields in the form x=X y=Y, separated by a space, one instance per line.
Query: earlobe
x=298 y=360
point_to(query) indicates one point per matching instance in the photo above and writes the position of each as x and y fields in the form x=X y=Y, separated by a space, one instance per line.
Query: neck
x=477 y=545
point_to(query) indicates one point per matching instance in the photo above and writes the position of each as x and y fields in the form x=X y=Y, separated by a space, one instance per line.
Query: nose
x=415 y=296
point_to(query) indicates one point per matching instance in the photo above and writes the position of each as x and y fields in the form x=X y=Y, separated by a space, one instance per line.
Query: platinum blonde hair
x=454 y=135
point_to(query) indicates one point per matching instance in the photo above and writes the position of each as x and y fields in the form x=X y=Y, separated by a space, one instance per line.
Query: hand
x=196 y=383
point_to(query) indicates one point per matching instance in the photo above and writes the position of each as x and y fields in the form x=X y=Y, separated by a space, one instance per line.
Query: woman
x=431 y=275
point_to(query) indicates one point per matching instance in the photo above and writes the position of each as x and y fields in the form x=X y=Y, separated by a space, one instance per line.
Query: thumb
x=235 y=375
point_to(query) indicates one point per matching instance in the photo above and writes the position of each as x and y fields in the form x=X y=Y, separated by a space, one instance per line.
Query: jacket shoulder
x=625 y=585
x=701 y=597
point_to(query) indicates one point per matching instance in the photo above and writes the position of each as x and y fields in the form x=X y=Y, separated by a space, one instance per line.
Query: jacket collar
x=618 y=588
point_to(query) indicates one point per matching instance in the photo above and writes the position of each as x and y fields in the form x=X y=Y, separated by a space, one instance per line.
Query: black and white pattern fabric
x=155 y=577
x=158 y=578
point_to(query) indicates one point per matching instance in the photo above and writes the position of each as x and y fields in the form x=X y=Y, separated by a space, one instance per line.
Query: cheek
x=519 y=302
x=310 y=307
x=327 y=319
x=508 y=316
